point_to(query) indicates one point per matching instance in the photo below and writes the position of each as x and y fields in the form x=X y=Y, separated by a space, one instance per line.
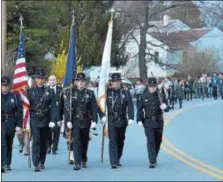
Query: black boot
x=48 y=151
x=71 y=162
x=77 y=167
x=153 y=165
x=3 y=169
x=84 y=165
x=42 y=166
x=119 y=164
x=8 y=167
x=54 y=153
x=38 y=167
x=114 y=166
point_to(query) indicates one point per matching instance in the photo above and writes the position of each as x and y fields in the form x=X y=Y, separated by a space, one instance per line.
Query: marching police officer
x=12 y=117
x=150 y=115
x=42 y=112
x=54 y=134
x=118 y=102
x=83 y=117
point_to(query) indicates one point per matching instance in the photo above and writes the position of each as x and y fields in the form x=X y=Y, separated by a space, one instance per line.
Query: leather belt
x=6 y=116
x=155 y=118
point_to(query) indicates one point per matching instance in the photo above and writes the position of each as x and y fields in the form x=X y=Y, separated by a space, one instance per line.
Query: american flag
x=20 y=82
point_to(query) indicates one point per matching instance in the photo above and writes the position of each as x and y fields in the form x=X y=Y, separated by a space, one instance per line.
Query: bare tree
x=139 y=15
x=198 y=62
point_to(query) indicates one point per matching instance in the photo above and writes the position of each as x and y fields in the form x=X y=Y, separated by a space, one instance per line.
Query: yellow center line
x=191 y=164
x=168 y=119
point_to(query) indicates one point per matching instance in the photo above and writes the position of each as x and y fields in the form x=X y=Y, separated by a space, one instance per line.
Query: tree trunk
x=4 y=39
x=142 y=46
x=142 y=55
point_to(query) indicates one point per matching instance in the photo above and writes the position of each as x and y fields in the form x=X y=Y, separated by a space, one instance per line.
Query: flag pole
x=103 y=128
x=70 y=112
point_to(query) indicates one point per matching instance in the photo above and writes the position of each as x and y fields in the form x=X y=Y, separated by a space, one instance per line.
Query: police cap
x=80 y=76
x=152 y=82
x=5 y=81
x=116 y=77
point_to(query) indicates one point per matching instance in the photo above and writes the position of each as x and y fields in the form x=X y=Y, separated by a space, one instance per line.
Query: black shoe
x=48 y=151
x=8 y=167
x=3 y=169
x=153 y=165
x=119 y=164
x=25 y=154
x=84 y=165
x=114 y=166
x=77 y=167
x=21 y=148
x=71 y=162
x=54 y=153
x=42 y=166
x=38 y=167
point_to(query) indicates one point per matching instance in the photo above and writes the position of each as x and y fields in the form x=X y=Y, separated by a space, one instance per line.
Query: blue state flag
x=71 y=60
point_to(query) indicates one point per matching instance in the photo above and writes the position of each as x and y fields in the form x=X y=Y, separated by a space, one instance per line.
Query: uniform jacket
x=119 y=104
x=42 y=102
x=84 y=107
x=149 y=111
x=11 y=104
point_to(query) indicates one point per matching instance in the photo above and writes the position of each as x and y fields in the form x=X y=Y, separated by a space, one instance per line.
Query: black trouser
x=215 y=92
x=8 y=134
x=54 y=136
x=180 y=101
x=138 y=99
x=154 y=139
x=80 y=144
x=116 y=143
x=7 y=143
x=40 y=136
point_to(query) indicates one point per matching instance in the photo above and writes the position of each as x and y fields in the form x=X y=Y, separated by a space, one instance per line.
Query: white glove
x=59 y=123
x=140 y=123
x=130 y=122
x=17 y=128
x=163 y=106
x=52 y=124
x=69 y=125
x=93 y=125
x=103 y=120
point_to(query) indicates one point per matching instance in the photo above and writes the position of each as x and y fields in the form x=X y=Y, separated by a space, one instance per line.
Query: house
x=184 y=43
x=171 y=42
x=154 y=45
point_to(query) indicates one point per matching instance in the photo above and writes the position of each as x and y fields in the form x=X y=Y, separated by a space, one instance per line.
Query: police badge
x=123 y=96
x=12 y=101
x=47 y=93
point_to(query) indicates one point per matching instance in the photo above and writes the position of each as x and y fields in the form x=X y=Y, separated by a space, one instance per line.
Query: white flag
x=105 y=65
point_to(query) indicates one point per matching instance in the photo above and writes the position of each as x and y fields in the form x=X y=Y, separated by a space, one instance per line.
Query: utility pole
x=4 y=36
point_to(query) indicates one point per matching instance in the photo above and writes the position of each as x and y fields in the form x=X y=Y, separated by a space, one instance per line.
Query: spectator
x=215 y=83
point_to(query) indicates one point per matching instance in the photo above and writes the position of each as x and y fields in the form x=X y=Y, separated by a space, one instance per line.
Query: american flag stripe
x=19 y=78
x=20 y=65
x=20 y=83
x=20 y=70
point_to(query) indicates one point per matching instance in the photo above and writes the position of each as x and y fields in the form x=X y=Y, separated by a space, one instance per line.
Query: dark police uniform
x=151 y=115
x=119 y=102
x=84 y=110
x=11 y=117
x=42 y=111
x=54 y=134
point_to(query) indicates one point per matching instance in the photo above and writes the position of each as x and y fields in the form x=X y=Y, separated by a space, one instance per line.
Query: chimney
x=166 y=20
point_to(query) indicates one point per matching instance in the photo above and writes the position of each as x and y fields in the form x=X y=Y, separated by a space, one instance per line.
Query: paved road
x=192 y=150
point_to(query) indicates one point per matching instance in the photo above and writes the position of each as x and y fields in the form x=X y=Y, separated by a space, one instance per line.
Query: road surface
x=192 y=150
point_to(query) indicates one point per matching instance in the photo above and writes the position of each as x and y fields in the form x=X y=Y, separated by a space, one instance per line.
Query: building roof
x=181 y=39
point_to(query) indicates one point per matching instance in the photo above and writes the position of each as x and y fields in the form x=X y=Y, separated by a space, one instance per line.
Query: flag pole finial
x=112 y=13
x=73 y=17
x=21 y=21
